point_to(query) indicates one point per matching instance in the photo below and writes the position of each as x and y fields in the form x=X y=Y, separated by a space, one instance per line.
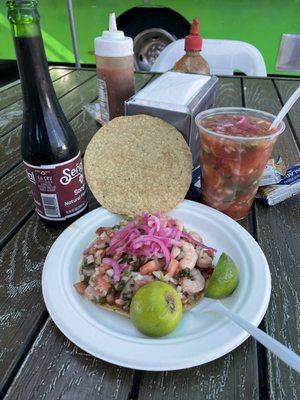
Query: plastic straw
x=286 y=108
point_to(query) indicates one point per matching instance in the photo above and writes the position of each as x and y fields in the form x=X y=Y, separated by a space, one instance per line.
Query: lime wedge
x=224 y=279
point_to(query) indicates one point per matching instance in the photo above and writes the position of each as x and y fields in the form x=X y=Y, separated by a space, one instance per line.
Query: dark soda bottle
x=49 y=146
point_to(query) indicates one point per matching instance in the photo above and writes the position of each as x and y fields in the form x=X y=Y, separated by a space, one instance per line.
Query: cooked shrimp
x=204 y=260
x=175 y=252
x=173 y=267
x=196 y=236
x=102 y=284
x=179 y=224
x=194 y=284
x=190 y=255
x=149 y=267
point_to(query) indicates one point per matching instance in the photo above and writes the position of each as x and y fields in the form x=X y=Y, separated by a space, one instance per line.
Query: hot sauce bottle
x=114 y=61
x=49 y=147
x=192 y=61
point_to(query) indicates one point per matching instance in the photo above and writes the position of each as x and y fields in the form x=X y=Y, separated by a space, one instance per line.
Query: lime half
x=224 y=279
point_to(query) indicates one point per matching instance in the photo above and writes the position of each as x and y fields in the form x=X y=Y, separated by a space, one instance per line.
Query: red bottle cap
x=193 y=41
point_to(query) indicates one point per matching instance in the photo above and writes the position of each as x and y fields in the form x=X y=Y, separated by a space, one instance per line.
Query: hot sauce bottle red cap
x=193 y=42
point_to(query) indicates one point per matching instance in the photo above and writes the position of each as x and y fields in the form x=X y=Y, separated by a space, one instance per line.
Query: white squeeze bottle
x=114 y=61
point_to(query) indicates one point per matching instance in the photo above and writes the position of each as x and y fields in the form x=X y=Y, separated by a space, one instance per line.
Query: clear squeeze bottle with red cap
x=192 y=61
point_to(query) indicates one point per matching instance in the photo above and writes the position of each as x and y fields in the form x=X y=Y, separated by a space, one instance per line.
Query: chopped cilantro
x=99 y=300
x=110 y=290
x=126 y=297
x=121 y=285
x=123 y=259
x=186 y=272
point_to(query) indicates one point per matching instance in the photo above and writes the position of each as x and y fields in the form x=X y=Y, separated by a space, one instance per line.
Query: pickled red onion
x=241 y=121
x=151 y=236
x=116 y=267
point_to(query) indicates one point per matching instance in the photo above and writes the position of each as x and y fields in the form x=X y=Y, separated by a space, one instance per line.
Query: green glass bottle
x=48 y=144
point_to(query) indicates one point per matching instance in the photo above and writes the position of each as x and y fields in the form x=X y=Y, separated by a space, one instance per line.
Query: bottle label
x=103 y=101
x=59 y=190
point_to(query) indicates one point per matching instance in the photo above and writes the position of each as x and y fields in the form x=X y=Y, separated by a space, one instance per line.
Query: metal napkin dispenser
x=176 y=98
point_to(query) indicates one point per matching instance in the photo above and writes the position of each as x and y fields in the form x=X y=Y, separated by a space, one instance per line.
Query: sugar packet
x=274 y=172
x=287 y=187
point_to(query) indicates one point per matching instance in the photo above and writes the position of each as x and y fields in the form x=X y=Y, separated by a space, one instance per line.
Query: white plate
x=197 y=339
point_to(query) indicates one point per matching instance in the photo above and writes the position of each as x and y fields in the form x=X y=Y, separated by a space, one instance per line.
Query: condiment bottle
x=192 y=61
x=48 y=144
x=114 y=61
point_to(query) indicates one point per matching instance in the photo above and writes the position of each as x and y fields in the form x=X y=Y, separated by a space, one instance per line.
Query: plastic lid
x=113 y=43
x=193 y=41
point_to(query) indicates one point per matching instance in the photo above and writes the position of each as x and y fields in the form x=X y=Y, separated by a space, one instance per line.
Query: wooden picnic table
x=38 y=362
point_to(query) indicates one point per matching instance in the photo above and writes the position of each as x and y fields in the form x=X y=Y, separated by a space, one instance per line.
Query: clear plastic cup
x=232 y=165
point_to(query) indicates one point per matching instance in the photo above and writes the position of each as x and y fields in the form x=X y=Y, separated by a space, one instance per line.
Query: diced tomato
x=102 y=284
x=80 y=287
x=100 y=230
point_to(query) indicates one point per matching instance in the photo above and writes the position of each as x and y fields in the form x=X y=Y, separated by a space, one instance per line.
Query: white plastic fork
x=281 y=351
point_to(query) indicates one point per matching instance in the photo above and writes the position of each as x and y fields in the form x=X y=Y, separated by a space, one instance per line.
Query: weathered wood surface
x=56 y=369
x=278 y=233
x=68 y=373
x=226 y=378
x=11 y=116
x=286 y=89
x=234 y=376
x=22 y=308
x=12 y=92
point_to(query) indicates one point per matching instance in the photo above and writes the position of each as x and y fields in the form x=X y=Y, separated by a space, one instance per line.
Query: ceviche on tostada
x=148 y=248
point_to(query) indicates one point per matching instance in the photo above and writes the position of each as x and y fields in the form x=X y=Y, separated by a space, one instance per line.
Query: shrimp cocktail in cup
x=235 y=146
